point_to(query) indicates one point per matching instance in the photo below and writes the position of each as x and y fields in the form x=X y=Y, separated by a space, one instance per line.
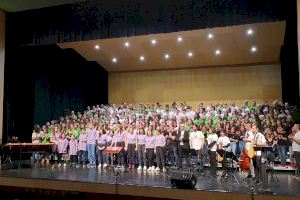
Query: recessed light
x=218 y=52
x=210 y=36
x=167 y=56
x=126 y=44
x=179 y=39
x=153 y=42
x=142 y=58
x=250 y=31
x=114 y=60
x=97 y=47
x=253 y=49
x=190 y=54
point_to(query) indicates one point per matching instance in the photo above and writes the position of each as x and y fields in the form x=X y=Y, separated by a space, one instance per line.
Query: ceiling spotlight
x=126 y=44
x=179 y=39
x=153 y=42
x=218 y=52
x=210 y=36
x=167 y=56
x=114 y=60
x=97 y=47
x=253 y=49
x=250 y=32
x=142 y=58
x=190 y=54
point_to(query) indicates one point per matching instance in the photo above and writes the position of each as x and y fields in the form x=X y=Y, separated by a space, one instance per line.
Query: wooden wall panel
x=216 y=84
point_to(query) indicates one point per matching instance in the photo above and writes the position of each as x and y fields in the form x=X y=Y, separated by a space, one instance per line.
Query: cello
x=245 y=161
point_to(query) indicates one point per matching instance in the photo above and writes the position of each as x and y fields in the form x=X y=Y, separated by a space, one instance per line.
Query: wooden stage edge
x=133 y=190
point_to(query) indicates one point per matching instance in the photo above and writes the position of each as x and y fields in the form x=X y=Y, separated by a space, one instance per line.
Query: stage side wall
x=215 y=84
x=2 y=54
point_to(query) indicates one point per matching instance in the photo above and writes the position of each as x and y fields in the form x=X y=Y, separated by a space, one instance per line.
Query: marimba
x=26 y=148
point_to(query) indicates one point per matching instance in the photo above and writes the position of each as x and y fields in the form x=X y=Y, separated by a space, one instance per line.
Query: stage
x=145 y=184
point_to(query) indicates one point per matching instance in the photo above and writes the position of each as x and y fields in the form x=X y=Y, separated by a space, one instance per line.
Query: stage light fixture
x=250 y=31
x=218 y=52
x=153 y=42
x=179 y=39
x=126 y=44
x=253 y=49
x=190 y=54
x=97 y=47
x=167 y=56
x=210 y=36
x=142 y=58
x=114 y=60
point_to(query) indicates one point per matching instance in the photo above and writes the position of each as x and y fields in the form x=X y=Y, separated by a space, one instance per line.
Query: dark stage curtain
x=96 y=19
x=46 y=81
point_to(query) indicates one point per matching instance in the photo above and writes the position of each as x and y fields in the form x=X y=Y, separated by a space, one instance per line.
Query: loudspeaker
x=183 y=179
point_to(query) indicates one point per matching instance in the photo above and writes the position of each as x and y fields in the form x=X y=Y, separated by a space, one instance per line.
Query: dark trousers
x=61 y=158
x=131 y=154
x=175 y=156
x=121 y=155
x=160 y=156
x=82 y=157
x=213 y=162
x=141 y=155
x=101 y=156
x=297 y=159
x=150 y=156
x=73 y=159
x=183 y=151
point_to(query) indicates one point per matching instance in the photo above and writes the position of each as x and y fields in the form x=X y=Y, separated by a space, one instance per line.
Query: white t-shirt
x=250 y=136
x=296 y=146
x=196 y=140
x=211 y=138
x=260 y=139
x=225 y=141
x=37 y=137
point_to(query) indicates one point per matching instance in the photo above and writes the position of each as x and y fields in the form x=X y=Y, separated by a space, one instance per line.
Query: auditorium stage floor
x=287 y=185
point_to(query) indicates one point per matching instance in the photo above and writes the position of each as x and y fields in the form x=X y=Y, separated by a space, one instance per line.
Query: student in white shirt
x=212 y=139
x=296 y=144
x=224 y=148
x=197 y=144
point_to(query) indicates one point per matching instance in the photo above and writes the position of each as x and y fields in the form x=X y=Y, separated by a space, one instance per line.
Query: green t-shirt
x=46 y=137
x=196 y=121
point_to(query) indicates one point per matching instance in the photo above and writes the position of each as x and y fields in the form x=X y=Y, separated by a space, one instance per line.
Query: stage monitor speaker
x=183 y=179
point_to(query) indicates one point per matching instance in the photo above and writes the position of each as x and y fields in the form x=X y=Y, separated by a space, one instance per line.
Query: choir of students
x=151 y=135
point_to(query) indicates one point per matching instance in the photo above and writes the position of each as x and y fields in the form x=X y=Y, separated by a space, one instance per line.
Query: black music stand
x=263 y=175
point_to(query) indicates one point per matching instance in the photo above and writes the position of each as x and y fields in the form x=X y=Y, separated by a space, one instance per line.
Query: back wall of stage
x=210 y=84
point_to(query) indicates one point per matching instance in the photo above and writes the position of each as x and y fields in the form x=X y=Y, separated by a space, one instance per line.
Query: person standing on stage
x=119 y=141
x=62 y=150
x=131 y=147
x=183 y=145
x=173 y=135
x=141 y=141
x=91 y=145
x=296 y=146
x=197 y=145
x=150 y=144
x=54 y=139
x=82 y=148
x=160 y=143
x=73 y=147
x=109 y=157
x=101 y=145
x=36 y=139
x=259 y=140
x=224 y=148
x=248 y=140
x=212 y=139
